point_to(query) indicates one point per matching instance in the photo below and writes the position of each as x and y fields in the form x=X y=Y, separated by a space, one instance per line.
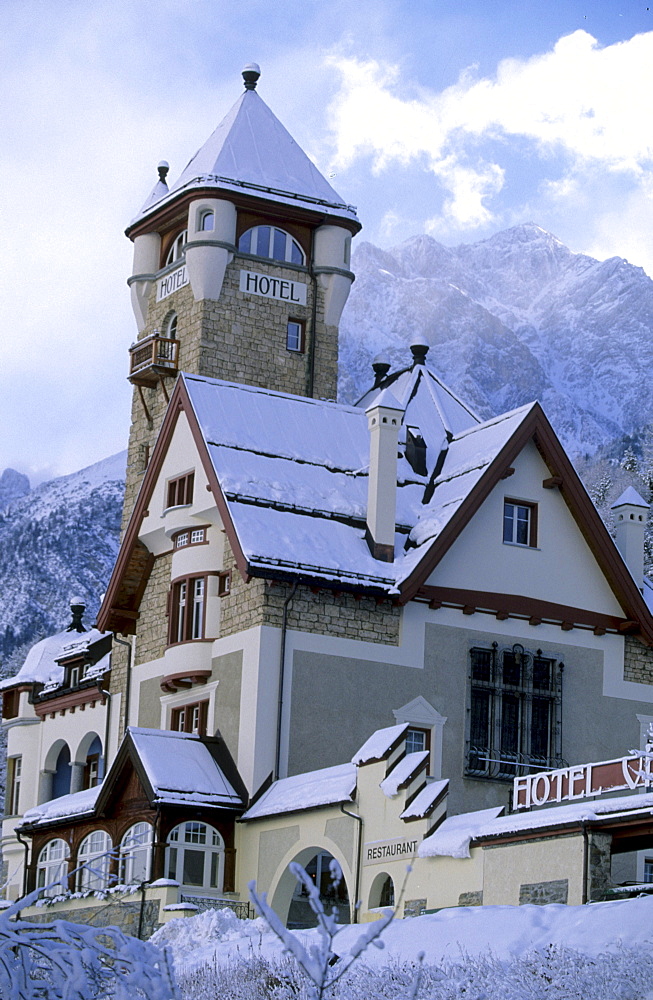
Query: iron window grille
x=514 y=713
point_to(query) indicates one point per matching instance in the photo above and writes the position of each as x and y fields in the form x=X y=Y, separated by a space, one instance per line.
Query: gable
x=561 y=568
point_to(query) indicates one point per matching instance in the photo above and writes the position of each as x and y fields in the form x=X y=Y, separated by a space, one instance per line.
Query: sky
x=457 y=118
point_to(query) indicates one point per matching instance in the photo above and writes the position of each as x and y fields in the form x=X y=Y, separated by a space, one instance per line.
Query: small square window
x=180 y=491
x=520 y=523
x=295 y=336
x=224 y=584
x=648 y=869
x=181 y=540
x=197 y=536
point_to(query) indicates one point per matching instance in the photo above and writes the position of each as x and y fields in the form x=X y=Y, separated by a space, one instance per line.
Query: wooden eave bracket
x=551 y=482
x=508 y=473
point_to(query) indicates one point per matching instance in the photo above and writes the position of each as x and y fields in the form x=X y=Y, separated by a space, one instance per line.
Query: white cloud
x=578 y=99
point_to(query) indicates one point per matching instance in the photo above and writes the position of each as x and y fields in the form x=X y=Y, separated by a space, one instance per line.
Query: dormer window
x=74 y=676
x=268 y=241
x=520 y=523
x=176 y=251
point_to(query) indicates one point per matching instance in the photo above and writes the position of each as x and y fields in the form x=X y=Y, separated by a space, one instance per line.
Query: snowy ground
x=611 y=937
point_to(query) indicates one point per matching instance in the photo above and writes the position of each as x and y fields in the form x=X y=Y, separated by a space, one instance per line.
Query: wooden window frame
x=14 y=775
x=302 y=335
x=224 y=583
x=189 y=531
x=181 y=717
x=174 y=597
x=180 y=490
x=532 y=523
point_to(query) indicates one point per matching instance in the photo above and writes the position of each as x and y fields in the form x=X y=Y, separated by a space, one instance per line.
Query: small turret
x=384 y=421
x=631 y=513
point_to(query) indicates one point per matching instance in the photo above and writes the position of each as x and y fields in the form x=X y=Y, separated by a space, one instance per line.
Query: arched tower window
x=136 y=854
x=93 y=859
x=52 y=867
x=207 y=222
x=170 y=327
x=268 y=241
x=195 y=856
x=176 y=251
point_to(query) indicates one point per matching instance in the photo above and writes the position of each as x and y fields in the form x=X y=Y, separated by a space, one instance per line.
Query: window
x=176 y=251
x=136 y=854
x=648 y=869
x=187 y=609
x=417 y=739
x=520 y=523
x=295 y=336
x=195 y=537
x=74 y=677
x=91 y=774
x=195 y=856
x=52 y=868
x=206 y=222
x=10 y=702
x=169 y=333
x=180 y=491
x=224 y=583
x=93 y=861
x=268 y=241
x=514 y=712
x=14 y=769
x=190 y=718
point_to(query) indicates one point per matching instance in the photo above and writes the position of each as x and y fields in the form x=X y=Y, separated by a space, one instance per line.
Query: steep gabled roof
x=252 y=153
x=290 y=475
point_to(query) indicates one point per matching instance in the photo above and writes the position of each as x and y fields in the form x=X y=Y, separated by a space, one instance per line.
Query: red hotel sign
x=569 y=784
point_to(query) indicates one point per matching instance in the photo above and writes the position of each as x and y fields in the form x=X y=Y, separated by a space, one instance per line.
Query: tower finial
x=419 y=350
x=251 y=73
x=163 y=167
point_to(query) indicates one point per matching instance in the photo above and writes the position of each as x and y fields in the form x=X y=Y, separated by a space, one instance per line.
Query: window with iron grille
x=514 y=712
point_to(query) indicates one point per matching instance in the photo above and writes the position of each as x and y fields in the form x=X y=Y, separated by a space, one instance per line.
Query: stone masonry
x=638 y=661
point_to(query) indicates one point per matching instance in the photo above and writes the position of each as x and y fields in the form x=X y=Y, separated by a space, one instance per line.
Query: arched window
x=136 y=854
x=93 y=860
x=382 y=891
x=195 y=857
x=92 y=764
x=207 y=222
x=61 y=776
x=52 y=868
x=176 y=251
x=268 y=241
x=170 y=327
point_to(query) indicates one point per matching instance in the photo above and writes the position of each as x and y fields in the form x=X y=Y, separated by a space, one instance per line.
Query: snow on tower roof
x=40 y=665
x=328 y=786
x=632 y=497
x=251 y=151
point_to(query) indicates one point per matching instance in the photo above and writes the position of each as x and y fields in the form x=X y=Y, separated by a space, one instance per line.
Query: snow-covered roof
x=453 y=837
x=379 y=744
x=403 y=772
x=328 y=786
x=250 y=151
x=181 y=770
x=425 y=800
x=66 y=806
x=40 y=665
x=630 y=496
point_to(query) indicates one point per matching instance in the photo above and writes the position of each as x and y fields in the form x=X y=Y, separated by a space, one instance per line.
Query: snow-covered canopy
x=65 y=807
x=309 y=790
x=181 y=769
x=251 y=152
x=379 y=744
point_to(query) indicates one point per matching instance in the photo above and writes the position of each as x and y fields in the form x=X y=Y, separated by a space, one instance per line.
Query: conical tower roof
x=251 y=152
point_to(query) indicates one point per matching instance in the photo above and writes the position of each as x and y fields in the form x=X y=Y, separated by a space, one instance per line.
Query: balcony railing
x=151 y=358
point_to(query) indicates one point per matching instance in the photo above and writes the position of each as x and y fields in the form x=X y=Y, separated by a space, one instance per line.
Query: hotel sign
x=379 y=851
x=253 y=283
x=568 y=784
x=176 y=279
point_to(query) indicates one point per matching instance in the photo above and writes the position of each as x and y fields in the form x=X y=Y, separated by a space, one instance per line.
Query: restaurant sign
x=583 y=781
x=379 y=851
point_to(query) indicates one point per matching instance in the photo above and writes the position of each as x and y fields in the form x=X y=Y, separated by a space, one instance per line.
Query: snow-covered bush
x=66 y=961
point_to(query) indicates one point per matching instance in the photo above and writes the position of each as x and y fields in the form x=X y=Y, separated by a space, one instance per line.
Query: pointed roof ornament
x=419 y=350
x=251 y=73
x=163 y=167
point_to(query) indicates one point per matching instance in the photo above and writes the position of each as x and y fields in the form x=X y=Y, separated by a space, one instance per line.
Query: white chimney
x=383 y=421
x=630 y=513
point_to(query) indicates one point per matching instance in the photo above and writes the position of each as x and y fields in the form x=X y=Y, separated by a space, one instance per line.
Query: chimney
x=630 y=513
x=77 y=609
x=383 y=421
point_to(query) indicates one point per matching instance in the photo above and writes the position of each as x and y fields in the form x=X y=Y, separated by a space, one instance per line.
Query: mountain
x=13 y=485
x=57 y=541
x=510 y=319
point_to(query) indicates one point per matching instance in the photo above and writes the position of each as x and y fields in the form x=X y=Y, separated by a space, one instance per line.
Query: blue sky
x=453 y=117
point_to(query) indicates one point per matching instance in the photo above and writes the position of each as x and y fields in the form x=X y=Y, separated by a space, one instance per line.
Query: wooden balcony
x=152 y=358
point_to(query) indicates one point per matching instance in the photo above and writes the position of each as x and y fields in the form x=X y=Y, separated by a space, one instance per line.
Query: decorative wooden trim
x=184 y=678
x=504 y=606
x=551 y=482
x=70 y=700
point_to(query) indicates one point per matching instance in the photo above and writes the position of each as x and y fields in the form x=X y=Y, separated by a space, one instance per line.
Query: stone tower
x=241 y=271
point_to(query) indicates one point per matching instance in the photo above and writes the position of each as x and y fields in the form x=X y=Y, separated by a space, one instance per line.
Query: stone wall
x=638 y=661
x=152 y=629
x=541 y=893
x=122 y=914
x=599 y=869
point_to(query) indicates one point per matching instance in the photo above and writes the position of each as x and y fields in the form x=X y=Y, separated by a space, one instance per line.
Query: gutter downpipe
x=357 y=876
x=128 y=682
x=585 y=863
x=282 y=671
x=107 y=695
x=25 y=845
x=310 y=374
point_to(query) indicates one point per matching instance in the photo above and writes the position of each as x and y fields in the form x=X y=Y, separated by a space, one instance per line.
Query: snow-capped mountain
x=57 y=541
x=510 y=319
x=13 y=486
